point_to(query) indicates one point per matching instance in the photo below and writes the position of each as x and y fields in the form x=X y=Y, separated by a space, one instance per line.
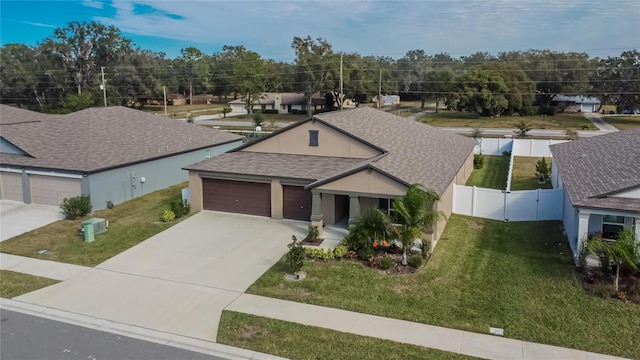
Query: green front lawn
x=515 y=275
x=561 y=121
x=624 y=122
x=14 y=284
x=296 y=341
x=524 y=174
x=493 y=174
x=129 y=224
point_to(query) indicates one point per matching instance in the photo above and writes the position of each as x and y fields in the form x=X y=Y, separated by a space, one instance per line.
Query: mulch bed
x=315 y=243
x=597 y=283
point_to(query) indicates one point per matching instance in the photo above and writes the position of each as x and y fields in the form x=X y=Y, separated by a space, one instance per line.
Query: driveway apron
x=179 y=280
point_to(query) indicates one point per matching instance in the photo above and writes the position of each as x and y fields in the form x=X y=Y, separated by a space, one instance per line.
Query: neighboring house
x=284 y=103
x=172 y=99
x=112 y=154
x=577 y=103
x=331 y=167
x=601 y=178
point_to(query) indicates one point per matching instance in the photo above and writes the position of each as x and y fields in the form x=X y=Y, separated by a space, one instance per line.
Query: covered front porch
x=603 y=223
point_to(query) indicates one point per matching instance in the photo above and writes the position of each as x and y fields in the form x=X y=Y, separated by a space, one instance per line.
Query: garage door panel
x=296 y=203
x=51 y=190
x=11 y=186
x=237 y=197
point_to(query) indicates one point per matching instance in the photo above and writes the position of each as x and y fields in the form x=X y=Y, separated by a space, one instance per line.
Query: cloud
x=93 y=4
x=40 y=24
x=385 y=27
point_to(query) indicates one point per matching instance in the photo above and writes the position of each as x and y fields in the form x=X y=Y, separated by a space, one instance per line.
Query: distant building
x=284 y=103
x=576 y=103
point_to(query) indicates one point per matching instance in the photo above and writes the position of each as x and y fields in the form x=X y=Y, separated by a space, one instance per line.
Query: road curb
x=136 y=332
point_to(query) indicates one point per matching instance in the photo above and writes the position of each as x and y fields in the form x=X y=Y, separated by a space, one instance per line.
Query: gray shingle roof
x=417 y=153
x=276 y=165
x=594 y=167
x=98 y=138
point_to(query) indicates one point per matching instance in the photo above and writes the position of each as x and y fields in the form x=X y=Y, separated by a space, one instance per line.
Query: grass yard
x=560 y=121
x=515 y=275
x=493 y=174
x=197 y=108
x=524 y=174
x=624 y=122
x=14 y=284
x=295 y=341
x=129 y=224
x=273 y=117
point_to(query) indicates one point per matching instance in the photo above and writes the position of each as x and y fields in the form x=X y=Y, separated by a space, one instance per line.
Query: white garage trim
x=50 y=190
x=11 y=184
x=62 y=175
x=11 y=170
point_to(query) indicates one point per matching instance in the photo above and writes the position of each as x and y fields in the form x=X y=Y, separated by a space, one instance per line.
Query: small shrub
x=373 y=261
x=522 y=129
x=168 y=215
x=319 y=253
x=426 y=247
x=295 y=256
x=542 y=167
x=340 y=251
x=571 y=134
x=478 y=161
x=386 y=262
x=313 y=234
x=76 y=207
x=415 y=261
x=584 y=126
x=351 y=254
x=547 y=110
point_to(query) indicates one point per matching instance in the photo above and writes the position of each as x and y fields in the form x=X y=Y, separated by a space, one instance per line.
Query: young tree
x=622 y=252
x=315 y=66
x=413 y=214
x=248 y=73
x=522 y=129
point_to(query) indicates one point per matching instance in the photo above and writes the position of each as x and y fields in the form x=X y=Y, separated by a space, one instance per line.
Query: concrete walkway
x=457 y=341
x=45 y=268
x=18 y=218
x=599 y=122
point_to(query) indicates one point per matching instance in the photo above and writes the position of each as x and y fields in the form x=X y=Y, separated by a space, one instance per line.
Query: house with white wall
x=601 y=178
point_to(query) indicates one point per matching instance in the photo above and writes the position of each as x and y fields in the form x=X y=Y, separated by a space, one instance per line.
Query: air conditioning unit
x=99 y=225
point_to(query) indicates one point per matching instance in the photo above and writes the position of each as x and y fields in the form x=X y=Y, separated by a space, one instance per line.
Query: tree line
x=63 y=74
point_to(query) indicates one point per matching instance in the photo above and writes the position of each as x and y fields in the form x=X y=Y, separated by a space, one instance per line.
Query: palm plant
x=624 y=251
x=413 y=213
x=371 y=226
x=522 y=129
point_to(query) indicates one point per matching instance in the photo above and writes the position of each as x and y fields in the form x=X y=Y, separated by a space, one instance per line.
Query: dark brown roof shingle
x=99 y=138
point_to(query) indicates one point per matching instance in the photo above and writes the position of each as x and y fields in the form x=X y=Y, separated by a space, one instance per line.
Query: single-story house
x=331 y=167
x=284 y=103
x=113 y=154
x=172 y=99
x=577 y=103
x=601 y=178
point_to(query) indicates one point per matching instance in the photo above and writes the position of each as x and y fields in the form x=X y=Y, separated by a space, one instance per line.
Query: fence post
x=538 y=206
x=531 y=147
x=473 y=201
x=506 y=205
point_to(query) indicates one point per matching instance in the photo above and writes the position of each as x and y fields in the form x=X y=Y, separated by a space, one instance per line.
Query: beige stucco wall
x=277 y=207
x=465 y=171
x=445 y=207
x=330 y=143
x=366 y=203
x=366 y=182
x=195 y=191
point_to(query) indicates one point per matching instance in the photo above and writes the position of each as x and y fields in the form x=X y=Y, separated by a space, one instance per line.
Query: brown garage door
x=237 y=197
x=296 y=202
x=51 y=190
x=11 y=184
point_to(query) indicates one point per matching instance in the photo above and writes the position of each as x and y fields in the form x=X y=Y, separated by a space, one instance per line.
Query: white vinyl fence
x=518 y=147
x=525 y=205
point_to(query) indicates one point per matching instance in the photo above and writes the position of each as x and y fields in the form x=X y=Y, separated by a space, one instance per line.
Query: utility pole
x=340 y=96
x=164 y=91
x=380 y=91
x=104 y=88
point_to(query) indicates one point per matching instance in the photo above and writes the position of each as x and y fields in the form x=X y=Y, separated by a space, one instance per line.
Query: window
x=207 y=153
x=611 y=226
x=386 y=205
x=313 y=137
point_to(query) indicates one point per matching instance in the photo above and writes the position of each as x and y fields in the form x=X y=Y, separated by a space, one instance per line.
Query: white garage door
x=11 y=186
x=51 y=190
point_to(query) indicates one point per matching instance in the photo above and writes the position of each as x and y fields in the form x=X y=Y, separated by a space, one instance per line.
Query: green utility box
x=87 y=229
x=92 y=227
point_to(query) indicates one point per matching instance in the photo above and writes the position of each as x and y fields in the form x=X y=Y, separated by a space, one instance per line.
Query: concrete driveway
x=180 y=280
x=17 y=217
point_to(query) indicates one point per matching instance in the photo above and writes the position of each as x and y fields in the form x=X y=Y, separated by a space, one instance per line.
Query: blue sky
x=387 y=28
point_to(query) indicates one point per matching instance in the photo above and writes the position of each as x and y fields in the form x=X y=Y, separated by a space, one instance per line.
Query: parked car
x=631 y=112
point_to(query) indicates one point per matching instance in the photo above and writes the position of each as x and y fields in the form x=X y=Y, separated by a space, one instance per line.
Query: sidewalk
x=457 y=341
x=599 y=122
x=45 y=268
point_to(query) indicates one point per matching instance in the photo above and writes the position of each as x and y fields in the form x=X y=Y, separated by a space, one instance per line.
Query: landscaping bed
x=561 y=121
x=14 y=284
x=129 y=224
x=296 y=341
x=518 y=276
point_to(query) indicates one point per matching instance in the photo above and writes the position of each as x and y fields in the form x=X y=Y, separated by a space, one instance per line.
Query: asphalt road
x=26 y=337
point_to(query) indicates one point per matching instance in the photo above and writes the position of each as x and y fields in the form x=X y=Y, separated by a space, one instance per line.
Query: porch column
x=354 y=208
x=638 y=228
x=583 y=231
x=316 y=211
